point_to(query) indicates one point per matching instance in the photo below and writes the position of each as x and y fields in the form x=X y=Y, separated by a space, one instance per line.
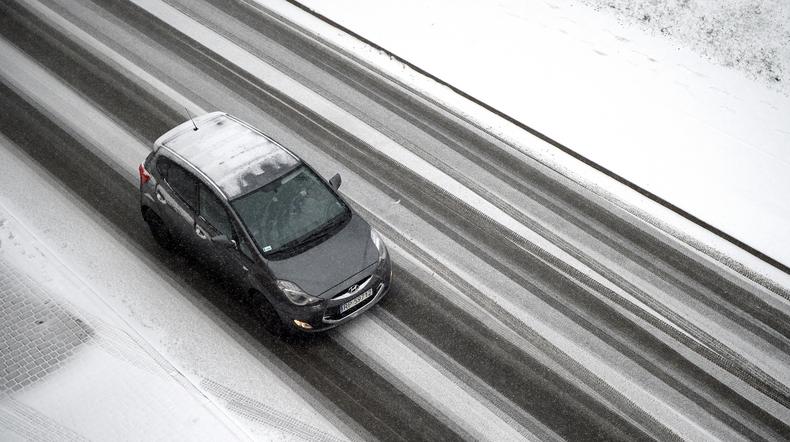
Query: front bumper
x=326 y=315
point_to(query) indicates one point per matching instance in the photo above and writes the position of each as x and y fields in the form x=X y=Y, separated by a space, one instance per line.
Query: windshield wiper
x=319 y=233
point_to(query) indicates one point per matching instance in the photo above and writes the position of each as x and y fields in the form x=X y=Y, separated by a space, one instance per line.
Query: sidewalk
x=72 y=369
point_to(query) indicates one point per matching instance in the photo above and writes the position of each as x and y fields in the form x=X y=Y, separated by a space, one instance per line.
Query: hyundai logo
x=353 y=289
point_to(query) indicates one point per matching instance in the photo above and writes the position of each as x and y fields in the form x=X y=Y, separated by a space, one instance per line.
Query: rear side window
x=162 y=165
x=212 y=210
x=182 y=182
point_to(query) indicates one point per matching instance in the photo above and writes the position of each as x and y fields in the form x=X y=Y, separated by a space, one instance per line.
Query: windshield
x=291 y=211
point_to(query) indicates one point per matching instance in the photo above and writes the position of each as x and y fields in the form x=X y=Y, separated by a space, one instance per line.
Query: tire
x=159 y=230
x=268 y=316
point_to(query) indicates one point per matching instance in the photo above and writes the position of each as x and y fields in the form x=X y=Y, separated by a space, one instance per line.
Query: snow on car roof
x=235 y=156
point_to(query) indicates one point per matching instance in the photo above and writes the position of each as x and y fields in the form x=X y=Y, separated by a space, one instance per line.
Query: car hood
x=321 y=268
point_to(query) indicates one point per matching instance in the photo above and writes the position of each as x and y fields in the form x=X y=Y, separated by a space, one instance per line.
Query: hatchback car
x=260 y=215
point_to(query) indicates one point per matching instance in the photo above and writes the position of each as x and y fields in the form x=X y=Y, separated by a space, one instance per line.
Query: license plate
x=354 y=302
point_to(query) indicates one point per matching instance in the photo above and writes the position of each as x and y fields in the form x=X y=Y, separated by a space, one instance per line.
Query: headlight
x=295 y=294
x=374 y=236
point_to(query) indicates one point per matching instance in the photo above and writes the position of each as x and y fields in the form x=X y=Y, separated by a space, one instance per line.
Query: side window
x=162 y=165
x=184 y=184
x=213 y=212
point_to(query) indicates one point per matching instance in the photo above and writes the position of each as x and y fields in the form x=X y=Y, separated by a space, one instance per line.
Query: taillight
x=144 y=176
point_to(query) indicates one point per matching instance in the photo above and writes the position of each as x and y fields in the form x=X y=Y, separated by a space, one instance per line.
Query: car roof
x=231 y=153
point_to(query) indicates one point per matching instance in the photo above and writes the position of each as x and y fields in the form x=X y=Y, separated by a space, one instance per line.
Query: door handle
x=200 y=233
x=160 y=197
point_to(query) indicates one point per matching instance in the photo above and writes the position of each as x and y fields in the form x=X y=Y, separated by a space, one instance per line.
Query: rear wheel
x=159 y=230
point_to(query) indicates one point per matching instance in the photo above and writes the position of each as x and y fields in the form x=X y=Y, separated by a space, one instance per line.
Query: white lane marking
x=122 y=151
x=370 y=339
x=132 y=71
x=338 y=116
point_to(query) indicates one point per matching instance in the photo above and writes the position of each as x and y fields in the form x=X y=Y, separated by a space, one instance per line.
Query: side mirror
x=335 y=181
x=223 y=241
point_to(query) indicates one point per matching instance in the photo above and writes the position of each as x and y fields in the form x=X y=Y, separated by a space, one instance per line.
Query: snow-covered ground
x=95 y=377
x=651 y=107
x=750 y=35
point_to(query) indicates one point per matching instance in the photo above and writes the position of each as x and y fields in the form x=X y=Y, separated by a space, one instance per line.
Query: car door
x=176 y=194
x=233 y=263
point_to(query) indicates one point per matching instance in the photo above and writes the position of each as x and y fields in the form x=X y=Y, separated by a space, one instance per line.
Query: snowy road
x=524 y=305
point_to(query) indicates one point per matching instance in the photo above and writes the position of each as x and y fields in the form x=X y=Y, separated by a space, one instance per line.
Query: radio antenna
x=190 y=118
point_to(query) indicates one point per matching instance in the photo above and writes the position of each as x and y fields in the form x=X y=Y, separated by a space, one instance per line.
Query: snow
x=371 y=340
x=749 y=35
x=64 y=104
x=236 y=157
x=111 y=383
x=709 y=139
x=114 y=59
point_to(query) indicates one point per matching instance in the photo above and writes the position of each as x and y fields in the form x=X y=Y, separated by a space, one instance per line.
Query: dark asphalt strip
x=144 y=114
x=637 y=244
x=324 y=367
x=249 y=86
x=303 y=121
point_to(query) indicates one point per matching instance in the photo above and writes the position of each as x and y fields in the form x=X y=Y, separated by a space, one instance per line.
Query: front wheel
x=268 y=316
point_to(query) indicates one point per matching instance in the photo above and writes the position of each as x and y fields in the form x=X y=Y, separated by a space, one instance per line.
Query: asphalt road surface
x=523 y=305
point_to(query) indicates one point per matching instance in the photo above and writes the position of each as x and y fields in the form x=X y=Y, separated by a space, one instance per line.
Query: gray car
x=223 y=191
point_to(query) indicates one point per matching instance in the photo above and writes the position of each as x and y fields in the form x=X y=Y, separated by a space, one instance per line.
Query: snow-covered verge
x=749 y=35
x=73 y=369
x=707 y=138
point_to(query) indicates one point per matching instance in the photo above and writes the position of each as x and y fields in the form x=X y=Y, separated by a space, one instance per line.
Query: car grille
x=333 y=313
x=359 y=283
